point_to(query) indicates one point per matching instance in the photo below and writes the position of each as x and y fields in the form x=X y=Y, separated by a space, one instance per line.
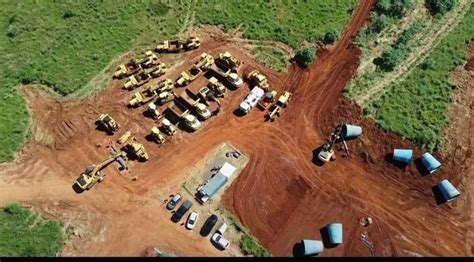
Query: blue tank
x=335 y=233
x=350 y=131
x=448 y=191
x=430 y=163
x=403 y=155
x=311 y=247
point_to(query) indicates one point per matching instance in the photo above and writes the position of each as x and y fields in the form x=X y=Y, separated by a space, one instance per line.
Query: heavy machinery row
x=185 y=104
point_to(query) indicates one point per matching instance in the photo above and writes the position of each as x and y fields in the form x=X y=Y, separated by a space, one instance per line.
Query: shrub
x=330 y=36
x=305 y=56
x=249 y=246
x=379 y=23
x=440 y=6
x=390 y=59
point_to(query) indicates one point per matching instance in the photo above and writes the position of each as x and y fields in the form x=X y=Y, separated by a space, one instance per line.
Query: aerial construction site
x=193 y=146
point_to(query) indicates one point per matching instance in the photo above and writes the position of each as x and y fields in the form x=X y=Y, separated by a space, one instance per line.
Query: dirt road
x=281 y=196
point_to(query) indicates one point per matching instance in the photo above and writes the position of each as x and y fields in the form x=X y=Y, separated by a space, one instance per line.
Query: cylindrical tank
x=430 y=163
x=448 y=191
x=351 y=131
x=335 y=233
x=403 y=155
x=311 y=247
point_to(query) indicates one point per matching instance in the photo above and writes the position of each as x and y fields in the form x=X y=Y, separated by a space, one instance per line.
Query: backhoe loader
x=92 y=175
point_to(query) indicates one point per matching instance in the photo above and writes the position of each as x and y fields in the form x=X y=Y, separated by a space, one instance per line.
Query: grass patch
x=250 y=246
x=416 y=107
x=272 y=58
x=23 y=233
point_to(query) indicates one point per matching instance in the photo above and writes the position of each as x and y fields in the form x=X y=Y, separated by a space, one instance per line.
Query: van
x=222 y=228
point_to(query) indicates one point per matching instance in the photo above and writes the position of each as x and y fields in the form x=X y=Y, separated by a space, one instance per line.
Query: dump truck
x=199 y=108
x=149 y=60
x=251 y=100
x=167 y=127
x=165 y=97
x=267 y=100
x=109 y=124
x=192 y=43
x=178 y=45
x=92 y=176
x=131 y=145
x=229 y=78
x=127 y=69
x=142 y=97
x=183 y=113
x=188 y=76
x=217 y=87
x=256 y=78
x=138 y=80
x=226 y=61
x=158 y=70
x=281 y=103
x=157 y=135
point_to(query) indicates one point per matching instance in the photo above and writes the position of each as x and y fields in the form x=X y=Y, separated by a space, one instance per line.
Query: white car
x=192 y=219
x=220 y=240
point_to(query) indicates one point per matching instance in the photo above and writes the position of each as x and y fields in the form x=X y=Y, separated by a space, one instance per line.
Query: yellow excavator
x=131 y=145
x=92 y=176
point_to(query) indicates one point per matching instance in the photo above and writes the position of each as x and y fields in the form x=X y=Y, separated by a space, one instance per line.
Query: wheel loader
x=108 y=123
x=137 y=80
x=131 y=145
x=281 y=103
x=92 y=176
x=226 y=61
x=168 y=127
x=256 y=78
x=157 y=135
x=128 y=69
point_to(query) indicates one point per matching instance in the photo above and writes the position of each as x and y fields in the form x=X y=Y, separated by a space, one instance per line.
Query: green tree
x=330 y=36
x=389 y=59
x=305 y=56
x=440 y=6
x=379 y=23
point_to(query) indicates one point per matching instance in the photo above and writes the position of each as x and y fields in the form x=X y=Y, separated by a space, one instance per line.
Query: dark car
x=181 y=211
x=172 y=203
x=208 y=225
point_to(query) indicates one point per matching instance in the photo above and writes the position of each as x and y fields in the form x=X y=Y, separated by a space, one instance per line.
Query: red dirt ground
x=281 y=196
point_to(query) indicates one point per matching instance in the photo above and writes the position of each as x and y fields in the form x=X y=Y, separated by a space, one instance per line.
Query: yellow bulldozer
x=108 y=123
x=131 y=145
x=281 y=103
x=92 y=176
x=258 y=79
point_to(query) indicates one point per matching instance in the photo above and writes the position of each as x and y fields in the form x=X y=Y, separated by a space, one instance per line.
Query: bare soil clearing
x=281 y=196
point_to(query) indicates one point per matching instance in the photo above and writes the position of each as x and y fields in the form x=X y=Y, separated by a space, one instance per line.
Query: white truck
x=252 y=99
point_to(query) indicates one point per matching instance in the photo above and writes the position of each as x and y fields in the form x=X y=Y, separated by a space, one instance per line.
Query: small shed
x=403 y=156
x=430 y=163
x=335 y=233
x=351 y=131
x=448 y=191
x=311 y=247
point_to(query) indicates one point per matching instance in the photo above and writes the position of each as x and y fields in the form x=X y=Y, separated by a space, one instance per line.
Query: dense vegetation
x=271 y=57
x=440 y=6
x=250 y=246
x=24 y=233
x=416 y=107
x=305 y=56
x=65 y=44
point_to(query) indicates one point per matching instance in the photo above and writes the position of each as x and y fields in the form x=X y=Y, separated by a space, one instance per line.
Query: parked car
x=208 y=225
x=220 y=241
x=181 y=211
x=173 y=202
x=192 y=219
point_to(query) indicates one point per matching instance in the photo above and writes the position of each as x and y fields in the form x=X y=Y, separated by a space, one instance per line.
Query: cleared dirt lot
x=281 y=196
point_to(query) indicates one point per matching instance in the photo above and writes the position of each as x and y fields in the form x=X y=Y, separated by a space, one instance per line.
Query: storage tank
x=403 y=155
x=335 y=233
x=311 y=247
x=430 y=163
x=351 y=131
x=448 y=191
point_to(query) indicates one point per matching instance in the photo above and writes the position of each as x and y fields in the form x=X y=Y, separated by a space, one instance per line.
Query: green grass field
x=416 y=107
x=64 y=45
x=24 y=233
x=271 y=57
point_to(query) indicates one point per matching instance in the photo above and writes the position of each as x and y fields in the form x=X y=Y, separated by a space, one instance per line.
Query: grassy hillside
x=65 y=44
x=24 y=233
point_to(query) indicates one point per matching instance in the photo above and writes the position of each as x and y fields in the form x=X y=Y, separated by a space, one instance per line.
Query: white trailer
x=252 y=99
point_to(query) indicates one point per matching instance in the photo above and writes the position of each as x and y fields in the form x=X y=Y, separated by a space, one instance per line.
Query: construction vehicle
x=154 y=113
x=183 y=113
x=149 y=60
x=281 y=103
x=327 y=152
x=128 y=69
x=226 y=61
x=157 y=135
x=232 y=79
x=131 y=145
x=251 y=100
x=217 y=87
x=256 y=78
x=188 y=76
x=199 y=108
x=165 y=97
x=92 y=176
x=267 y=100
x=142 y=97
x=167 y=127
x=137 y=80
x=178 y=45
x=205 y=61
x=108 y=123
x=157 y=71
x=165 y=85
